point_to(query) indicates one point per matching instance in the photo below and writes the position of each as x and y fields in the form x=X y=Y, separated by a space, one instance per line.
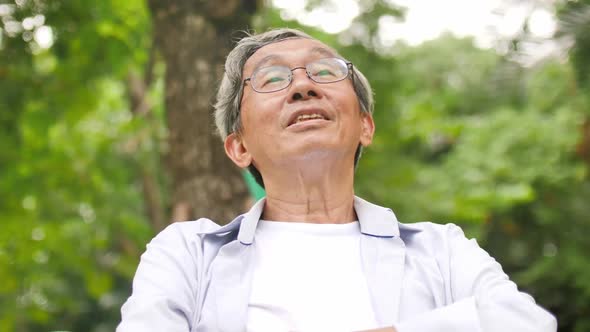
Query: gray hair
x=229 y=95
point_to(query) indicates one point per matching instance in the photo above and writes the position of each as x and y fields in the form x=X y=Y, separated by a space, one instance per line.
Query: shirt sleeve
x=164 y=286
x=485 y=300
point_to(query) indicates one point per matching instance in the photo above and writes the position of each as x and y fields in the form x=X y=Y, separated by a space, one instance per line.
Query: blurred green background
x=491 y=138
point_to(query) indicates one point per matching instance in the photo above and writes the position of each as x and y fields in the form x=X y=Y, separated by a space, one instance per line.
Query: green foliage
x=71 y=208
x=575 y=23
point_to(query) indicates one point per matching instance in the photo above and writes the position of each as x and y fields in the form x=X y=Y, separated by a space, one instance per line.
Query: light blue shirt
x=196 y=276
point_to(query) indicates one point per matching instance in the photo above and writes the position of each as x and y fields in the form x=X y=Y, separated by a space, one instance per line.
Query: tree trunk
x=194 y=38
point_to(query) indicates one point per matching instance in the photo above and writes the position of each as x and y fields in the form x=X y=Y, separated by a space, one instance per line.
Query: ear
x=237 y=151
x=367 y=129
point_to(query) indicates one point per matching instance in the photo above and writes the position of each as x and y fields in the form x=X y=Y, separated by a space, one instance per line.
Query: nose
x=302 y=87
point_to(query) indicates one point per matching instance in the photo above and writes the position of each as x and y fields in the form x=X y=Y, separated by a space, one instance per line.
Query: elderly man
x=311 y=256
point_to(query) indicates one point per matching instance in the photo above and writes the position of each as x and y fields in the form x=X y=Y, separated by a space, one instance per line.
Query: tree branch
x=141 y=107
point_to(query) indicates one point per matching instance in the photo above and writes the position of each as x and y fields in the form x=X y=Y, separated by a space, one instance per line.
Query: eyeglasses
x=275 y=78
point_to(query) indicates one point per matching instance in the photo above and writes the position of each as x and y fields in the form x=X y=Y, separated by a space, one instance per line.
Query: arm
x=484 y=298
x=164 y=286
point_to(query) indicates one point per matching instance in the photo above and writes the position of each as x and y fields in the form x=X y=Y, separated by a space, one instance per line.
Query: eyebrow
x=323 y=51
x=316 y=50
x=265 y=60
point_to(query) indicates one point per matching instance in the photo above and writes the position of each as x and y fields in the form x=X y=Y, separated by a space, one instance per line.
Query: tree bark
x=194 y=38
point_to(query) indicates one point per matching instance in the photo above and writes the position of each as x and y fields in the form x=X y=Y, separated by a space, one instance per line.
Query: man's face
x=303 y=121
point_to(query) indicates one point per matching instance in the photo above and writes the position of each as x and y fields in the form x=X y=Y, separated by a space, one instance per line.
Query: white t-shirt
x=308 y=277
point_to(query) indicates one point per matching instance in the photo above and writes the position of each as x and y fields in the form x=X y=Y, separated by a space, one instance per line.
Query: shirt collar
x=375 y=221
x=250 y=221
x=246 y=223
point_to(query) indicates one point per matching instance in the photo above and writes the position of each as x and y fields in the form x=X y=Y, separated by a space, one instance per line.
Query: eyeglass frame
x=349 y=69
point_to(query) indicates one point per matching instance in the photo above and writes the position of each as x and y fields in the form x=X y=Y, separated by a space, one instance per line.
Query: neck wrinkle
x=315 y=191
x=310 y=210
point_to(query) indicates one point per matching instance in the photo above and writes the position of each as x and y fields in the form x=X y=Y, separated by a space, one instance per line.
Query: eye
x=324 y=72
x=270 y=77
x=274 y=79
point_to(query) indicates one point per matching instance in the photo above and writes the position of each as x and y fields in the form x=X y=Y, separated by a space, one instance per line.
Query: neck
x=312 y=196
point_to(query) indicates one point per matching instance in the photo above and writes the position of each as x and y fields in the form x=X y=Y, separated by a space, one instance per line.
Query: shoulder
x=427 y=229
x=199 y=226
x=186 y=230
x=432 y=237
x=180 y=248
x=192 y=237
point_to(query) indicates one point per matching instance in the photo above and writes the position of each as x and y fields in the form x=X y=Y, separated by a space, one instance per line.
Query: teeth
x=305 y=117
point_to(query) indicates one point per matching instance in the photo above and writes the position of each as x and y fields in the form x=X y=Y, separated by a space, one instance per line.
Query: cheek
x=349 y=106
x=263 y=116
x=346 y=99
x=258 y=124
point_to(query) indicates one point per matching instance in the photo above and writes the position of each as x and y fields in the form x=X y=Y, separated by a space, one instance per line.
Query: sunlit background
x=482 y=115
x=425 y=20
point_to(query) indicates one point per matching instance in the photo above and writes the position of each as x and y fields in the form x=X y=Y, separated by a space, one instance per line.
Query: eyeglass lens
x=274 y=78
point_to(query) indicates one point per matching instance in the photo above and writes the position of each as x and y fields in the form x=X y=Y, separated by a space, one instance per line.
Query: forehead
x=290 y=51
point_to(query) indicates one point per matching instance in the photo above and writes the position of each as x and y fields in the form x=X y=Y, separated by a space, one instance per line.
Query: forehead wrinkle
x=323 y=51
x=316 y=50
x=265 y=60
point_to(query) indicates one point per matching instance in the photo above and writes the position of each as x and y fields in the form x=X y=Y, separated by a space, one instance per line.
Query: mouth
x=307 y=115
